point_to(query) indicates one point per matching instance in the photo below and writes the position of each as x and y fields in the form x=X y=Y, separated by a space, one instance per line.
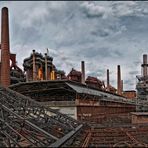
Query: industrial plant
x=41 y=106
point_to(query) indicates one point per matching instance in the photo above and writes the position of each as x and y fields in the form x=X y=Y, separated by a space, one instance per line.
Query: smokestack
x=46 y=68
x=121 y=86
x=118 y=80
x=83 y=71
x=144 y=65
x=34 y=66
x=5 y=51
x=108 y=89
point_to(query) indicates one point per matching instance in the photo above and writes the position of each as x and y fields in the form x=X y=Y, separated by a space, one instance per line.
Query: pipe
x=5 y=51
x=108 y=88
x=34 y=66
x=83 y=72
x=46 y=68
x=121 y=86
x=144 y=65
x=118 y=80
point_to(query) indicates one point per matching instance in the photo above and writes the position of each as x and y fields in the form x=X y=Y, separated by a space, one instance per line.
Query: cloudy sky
x=104 y=34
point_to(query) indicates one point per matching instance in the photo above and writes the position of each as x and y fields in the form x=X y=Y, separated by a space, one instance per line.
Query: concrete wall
x=70 y=111
x=65 y=107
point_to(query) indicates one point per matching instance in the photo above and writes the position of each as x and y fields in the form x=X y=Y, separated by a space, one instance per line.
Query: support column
x=34 y=67
x=144 y=65
x=83 y=72
x=121 y=86
x=118 y=80
x=108 y=88
x=46 y=68
x=5 y=51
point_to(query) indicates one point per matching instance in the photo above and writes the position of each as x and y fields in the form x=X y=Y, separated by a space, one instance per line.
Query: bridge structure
x=24 y=122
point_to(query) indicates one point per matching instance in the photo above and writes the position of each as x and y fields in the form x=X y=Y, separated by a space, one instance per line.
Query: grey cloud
x=91 y=10
x=101 y=72
x=101 y=33
x=111 y=35
x=135 y=72
x=137 y=62
x=129 y=82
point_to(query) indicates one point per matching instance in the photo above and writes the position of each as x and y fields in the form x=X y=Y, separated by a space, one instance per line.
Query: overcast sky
x=104 y=34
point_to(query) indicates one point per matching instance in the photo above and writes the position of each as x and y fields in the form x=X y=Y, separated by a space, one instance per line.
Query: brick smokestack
x=34 y=66
x=144 y=65
x=5 y=51
x=46 y=67
x=118 y=80
x=121 y=86
x=83 y=71
x=108 y=89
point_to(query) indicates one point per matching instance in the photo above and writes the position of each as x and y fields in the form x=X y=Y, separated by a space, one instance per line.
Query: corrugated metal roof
x=80 y=89
x=103 y=95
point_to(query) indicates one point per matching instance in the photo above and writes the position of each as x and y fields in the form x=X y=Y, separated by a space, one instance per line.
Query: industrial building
x=41 y=106
x=9 y=74
x=142 y=86
x=39 y=67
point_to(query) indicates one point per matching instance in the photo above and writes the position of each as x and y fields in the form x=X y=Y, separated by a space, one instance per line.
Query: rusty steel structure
x=117 y=131
x=130 y=136
x=95 y=83
x=108 y=88
x=5 y=51
x=9 y=74
x=89 y=102
x=119 y=91
x=103 y=113
x=25 y=122
x=75 y=75
x=38 y=67
x=83 y=71
x=142 y=87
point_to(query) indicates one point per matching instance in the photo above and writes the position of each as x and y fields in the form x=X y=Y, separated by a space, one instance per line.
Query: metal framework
x=117 y=131
x=24 y=122
x=64 y=90
x=119 y=137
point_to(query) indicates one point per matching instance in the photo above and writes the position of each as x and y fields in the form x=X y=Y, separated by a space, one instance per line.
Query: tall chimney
x=118 y=80
x=34 y=66
x=83 y=71
x=5 y=51
x=121 y=86
x=46 y=67
x=144 y=65
x=108 y=89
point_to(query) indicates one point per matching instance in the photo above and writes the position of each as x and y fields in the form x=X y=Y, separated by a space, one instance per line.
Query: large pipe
x=108 y=88
x=144 y=65
x=118 y=80
x=5 y=51
x=34 y=66
x=83 y=72
x=121 y=86
x=46 y=67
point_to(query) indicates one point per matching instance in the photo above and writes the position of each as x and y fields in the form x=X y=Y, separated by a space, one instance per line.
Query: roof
x=90 y=91
x=65 y=87
x=74 y=72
